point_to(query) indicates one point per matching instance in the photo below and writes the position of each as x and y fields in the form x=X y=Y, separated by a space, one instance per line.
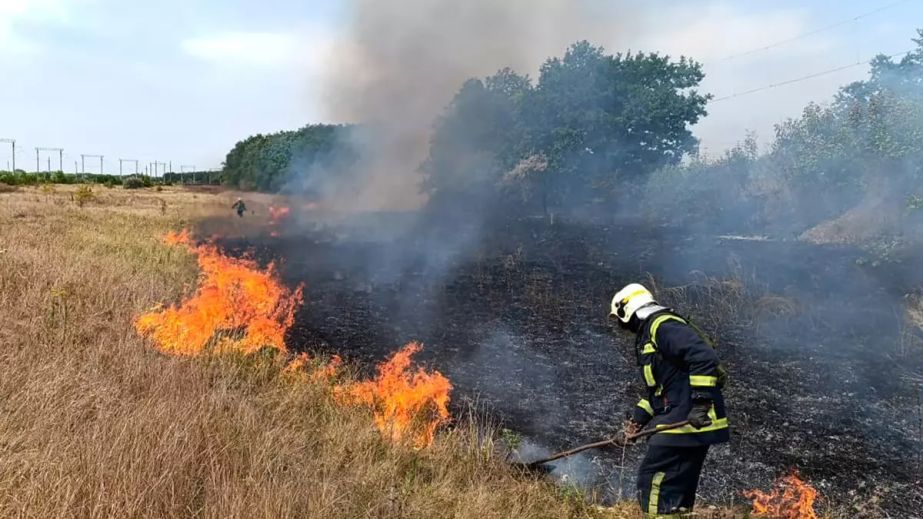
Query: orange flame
x=791 y=499
x=276 y=215
x=407 y=404
x=325 y=372
x=237 y=306
x=178 y=238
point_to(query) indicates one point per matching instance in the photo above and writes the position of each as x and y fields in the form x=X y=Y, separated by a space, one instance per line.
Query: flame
x=276 y=215
x=407 y=404
x=299 y=367
x=178 y=238
x=791 y=499
x=236 y=307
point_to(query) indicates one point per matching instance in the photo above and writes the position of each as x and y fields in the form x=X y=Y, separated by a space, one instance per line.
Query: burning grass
x=791 y=499
x=93 y=423
x=236 y=307
x=407 y=403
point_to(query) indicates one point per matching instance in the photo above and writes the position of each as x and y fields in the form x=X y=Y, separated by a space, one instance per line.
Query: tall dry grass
x=94 y=423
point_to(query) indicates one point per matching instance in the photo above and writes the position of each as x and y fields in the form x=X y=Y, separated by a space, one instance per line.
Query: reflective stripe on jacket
x=678 y=366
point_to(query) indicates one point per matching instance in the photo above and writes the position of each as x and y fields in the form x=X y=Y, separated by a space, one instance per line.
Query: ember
x=407 y=404
x=791 y=499
x=237 y=306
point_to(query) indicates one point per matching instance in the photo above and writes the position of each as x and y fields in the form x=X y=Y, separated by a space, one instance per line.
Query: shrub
x=133 y=183
x=83 y=194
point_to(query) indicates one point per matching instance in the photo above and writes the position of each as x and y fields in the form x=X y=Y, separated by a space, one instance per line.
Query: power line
x=812 y=33
x=805 y=78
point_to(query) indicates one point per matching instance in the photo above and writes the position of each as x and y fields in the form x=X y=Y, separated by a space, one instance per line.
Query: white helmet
x=629 y=300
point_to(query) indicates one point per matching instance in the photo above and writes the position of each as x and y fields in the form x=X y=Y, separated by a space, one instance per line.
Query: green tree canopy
x=594 y=122
x=270 y=162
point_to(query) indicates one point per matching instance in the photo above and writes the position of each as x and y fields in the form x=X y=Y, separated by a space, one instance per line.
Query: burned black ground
x=825 y=373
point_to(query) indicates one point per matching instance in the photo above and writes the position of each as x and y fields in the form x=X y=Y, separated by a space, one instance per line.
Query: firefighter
x=683 y=379
x=239 y=206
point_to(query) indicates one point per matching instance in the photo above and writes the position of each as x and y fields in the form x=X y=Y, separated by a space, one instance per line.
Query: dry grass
x=93 y=423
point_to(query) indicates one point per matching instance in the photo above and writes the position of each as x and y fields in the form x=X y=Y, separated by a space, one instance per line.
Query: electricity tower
x=38 y=166
x=83 y=157
x=11 y=142
x=128 y=160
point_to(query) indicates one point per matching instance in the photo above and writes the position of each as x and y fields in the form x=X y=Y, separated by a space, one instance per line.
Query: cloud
x=244 y=48
x=14 y=13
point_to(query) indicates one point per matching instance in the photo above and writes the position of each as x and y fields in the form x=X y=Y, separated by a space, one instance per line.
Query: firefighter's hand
x=698 y=416
x=630 y=428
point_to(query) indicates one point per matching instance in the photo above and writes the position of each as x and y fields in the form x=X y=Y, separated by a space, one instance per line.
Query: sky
x=181 y=81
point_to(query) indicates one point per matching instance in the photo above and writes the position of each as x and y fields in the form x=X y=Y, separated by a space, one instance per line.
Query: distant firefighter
x=683 y=379
x=239 y=206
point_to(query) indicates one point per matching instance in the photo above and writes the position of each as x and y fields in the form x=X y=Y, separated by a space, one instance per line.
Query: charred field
x=826 y=372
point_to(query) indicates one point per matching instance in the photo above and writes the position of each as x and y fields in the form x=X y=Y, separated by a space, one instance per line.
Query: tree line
x=598 y=132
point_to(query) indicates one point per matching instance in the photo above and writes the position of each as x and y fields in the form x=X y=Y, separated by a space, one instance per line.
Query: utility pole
x=12 y=142
x=83 y=158
x=38 y=166
x=156 y=164
x=128 y=160
x=182 y=170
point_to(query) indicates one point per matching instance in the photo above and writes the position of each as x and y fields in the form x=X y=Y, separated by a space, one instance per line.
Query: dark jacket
x=678 y=366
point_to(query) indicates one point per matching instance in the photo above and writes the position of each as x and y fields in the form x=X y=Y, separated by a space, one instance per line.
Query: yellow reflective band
x=649 y=376
x=712 y=414
x=644 y=404
x=636 y=293
x=648 y=348
x=660 y=320
x=654 y=498
x=703 y=381
x=716 y=424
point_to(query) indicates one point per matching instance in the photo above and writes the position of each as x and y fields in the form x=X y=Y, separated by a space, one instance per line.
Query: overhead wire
x=812 y=32
x=805 y=78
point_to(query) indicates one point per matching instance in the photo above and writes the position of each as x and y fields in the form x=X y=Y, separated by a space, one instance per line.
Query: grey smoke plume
x=400 y=63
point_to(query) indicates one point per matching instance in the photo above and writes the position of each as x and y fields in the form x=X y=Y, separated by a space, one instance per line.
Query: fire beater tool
x=611 y=441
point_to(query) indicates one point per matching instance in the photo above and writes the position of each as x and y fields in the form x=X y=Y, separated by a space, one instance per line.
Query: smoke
x=400 y=62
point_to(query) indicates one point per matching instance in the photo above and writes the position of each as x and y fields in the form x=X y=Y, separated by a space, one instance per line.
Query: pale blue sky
x=183 y=80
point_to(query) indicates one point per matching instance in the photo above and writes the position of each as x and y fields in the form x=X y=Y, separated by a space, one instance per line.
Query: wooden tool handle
x=603 y=443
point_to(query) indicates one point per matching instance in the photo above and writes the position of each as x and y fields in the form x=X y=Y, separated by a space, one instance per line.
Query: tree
x=474 y=141
x=272 y=162
x=596 y=123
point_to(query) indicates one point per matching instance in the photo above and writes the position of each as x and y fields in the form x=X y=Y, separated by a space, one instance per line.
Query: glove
x=631 y=427
x=698 y=416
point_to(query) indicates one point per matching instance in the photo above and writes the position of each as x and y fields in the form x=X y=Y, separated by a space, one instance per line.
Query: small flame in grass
x=178 y=238
x=791 y=498
x=299 y=366
x=277 y=214
x=237 y=306
x=408 y=404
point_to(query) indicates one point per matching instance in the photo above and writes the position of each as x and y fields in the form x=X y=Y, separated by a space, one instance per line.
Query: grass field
x=96 y=423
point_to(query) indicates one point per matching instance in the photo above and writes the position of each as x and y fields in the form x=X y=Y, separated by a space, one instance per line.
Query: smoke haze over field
x=400 y=63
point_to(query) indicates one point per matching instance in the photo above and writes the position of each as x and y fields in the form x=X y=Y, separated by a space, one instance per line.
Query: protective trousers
x=667 y=480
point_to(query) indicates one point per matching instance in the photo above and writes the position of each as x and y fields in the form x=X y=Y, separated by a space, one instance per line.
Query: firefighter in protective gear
x=681 y=374
x=240 y=207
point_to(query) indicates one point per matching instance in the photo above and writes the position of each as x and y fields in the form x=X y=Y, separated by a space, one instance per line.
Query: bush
x=133 y=183
x=83 y=194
